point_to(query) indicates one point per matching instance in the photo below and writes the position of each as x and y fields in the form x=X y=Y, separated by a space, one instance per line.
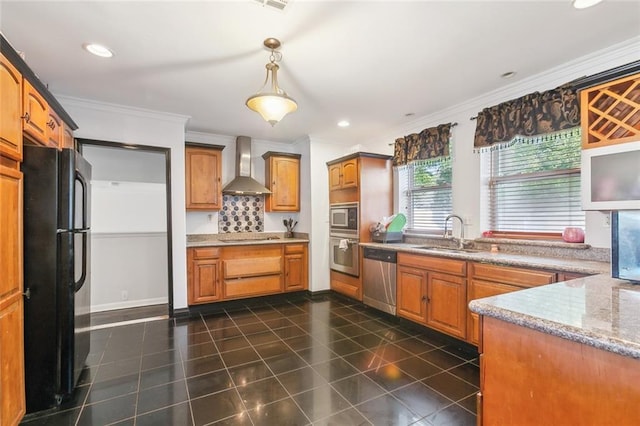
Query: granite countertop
x=564 y=264
x=598 y=311
x=244 y=238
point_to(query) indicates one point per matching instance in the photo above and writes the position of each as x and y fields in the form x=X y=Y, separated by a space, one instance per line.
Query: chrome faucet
x=461 y=239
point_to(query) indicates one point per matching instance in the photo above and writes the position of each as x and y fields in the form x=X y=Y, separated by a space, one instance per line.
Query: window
x=534 y=184
x=425 y=194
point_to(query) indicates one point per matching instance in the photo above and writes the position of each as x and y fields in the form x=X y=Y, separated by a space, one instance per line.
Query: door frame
x=81 y=142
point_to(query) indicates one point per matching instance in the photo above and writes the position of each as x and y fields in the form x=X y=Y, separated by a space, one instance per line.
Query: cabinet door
x=11 y=110
x=350 y=173
x=55 y=130
x=12 y=399
x=68 y=140
x=477 y=290
x=36 y=113
x=294 y=272
x=446 y=304
x=335 y=181
x=203 y=178
x=411 y=293
x=206 y=281
x=283 y=178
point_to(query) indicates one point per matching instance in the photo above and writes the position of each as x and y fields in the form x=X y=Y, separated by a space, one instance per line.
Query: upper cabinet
x=611 y=112
x=55 y=130
x=11 y=101
x=344 y=174
x=282 y=178
x=364 y=178
x=203 y=169
x=35 y=114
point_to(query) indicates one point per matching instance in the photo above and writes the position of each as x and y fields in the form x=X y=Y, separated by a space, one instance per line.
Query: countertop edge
x=221 y=243
x=564 y=331
x=504 y=258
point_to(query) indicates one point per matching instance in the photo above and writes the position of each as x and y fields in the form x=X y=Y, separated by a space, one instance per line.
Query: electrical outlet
x=124 y=295
x=607 y=220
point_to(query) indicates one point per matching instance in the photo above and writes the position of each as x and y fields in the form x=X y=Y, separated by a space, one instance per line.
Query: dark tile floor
x=320 y=361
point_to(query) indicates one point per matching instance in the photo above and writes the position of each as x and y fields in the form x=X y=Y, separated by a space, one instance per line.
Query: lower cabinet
x=432 y=291
x=487 y=280
x=295 y=267
x=234 y=272
x=203 y=274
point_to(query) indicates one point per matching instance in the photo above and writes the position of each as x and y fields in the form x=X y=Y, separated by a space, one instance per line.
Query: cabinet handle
x=51 y=124
x=424 y=298
x=27 y=293
x=26 y=117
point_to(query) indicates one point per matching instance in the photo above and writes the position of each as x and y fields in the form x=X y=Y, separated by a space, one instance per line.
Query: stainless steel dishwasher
x=379 y=279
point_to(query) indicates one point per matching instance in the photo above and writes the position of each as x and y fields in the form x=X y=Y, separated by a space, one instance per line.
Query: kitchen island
x=564 y=353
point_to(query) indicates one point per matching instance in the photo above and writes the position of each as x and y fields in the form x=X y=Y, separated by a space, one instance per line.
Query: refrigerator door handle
x=83 y=277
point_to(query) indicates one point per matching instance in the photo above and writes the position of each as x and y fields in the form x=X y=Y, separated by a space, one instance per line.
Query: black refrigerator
x=56 y=273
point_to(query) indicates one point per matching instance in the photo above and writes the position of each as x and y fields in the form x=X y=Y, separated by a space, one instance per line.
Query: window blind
x=534 y=186
x=426 y=189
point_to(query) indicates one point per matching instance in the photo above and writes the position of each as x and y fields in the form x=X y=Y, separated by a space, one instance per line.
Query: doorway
x=131 y=246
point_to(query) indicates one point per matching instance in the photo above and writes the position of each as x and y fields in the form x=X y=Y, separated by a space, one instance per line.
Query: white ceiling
x=370 y=62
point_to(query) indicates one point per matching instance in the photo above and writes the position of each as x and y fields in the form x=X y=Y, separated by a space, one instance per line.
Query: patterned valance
x=429 y=144
x=531 y=115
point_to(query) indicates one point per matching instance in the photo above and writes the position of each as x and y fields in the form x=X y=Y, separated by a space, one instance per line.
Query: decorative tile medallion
x=241 y=213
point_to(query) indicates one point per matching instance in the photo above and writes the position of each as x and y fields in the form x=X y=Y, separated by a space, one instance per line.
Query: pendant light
x=271 y=102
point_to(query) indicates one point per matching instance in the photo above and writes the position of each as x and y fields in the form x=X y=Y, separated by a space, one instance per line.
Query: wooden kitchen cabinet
x=11 y=101
x=217 y=274
x=412 y=293
x=282 y=178
x=344 y=174
x=609 y=112
x=12 y=390
x=249 y=271
x=532 y=378
x=363 y=178
x=35 y=113
x=203 y=275
x=487 y=280
x=54 y=130
x=203 y=169
x=432 y=291
x=295 y=267
x=68 y=141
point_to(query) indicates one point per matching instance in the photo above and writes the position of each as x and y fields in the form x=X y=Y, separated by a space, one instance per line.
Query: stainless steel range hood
x=243 y=183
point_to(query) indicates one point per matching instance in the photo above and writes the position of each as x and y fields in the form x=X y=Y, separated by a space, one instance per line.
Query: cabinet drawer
x=206 y=252
x=255 y=286
x=509 y=275
x=432 y=263
x=248 y=267
x=293 y=248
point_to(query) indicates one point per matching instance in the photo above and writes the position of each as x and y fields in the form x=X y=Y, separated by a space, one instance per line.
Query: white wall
x=466 y=168
x=116 y=123
x=319 y=152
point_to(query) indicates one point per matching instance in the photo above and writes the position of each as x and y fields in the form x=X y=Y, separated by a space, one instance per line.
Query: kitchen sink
x=448 y=249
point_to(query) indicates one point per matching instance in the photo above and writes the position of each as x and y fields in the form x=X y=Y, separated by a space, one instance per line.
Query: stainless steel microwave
x=344 y=218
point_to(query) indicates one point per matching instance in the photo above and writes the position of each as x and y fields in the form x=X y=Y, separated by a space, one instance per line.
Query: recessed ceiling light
x=410 y=114
x=343 y=123
x=98 y=50
x=583 y=4
x=508 y=74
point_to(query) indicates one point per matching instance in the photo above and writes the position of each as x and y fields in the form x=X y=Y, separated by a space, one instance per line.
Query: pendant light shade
x=271 y=102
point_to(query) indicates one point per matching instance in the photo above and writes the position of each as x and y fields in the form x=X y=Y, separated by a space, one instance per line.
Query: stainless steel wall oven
x=344 y=238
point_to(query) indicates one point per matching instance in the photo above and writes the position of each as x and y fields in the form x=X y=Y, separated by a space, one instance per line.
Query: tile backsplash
x=241 y=213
